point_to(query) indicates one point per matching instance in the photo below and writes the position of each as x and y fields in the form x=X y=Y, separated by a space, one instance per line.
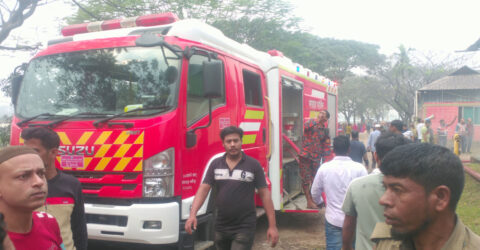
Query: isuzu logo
x=76 y=150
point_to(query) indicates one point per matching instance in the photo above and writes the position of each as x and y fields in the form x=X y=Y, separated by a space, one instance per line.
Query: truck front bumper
x=137 y=223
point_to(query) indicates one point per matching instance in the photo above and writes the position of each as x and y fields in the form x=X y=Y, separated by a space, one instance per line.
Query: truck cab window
x=253 y=89
x=101 y=80
x=197 y=104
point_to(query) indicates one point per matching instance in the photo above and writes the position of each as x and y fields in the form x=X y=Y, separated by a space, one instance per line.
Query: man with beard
x=235 y=177
x=423 y=185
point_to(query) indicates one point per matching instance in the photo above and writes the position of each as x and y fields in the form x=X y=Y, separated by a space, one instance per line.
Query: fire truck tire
x=203 y=237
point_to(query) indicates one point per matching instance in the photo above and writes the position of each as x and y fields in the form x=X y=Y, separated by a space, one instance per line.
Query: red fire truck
x=138 y=104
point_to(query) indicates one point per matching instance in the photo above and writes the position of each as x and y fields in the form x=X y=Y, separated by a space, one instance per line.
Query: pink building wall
x=447 y=113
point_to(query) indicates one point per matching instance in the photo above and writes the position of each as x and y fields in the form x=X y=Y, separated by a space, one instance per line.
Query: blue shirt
x=357 y=150
x=372 y=139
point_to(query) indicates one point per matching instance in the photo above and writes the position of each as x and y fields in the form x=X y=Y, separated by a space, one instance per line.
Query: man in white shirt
x=333 y=178
x=420 y=125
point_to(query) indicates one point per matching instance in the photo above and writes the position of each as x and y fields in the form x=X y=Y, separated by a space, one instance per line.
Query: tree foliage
x=358 y=99
x=12 y=16
x=406 y=74
x=209 y=11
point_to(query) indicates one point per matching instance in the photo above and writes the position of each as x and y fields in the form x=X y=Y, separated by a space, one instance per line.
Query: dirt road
x=298 y=231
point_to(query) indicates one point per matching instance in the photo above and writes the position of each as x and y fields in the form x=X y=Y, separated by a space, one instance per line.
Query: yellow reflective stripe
x=103 y=137
x=121 y=138
x=84 y=138
x=103 y=150
x=102 y=164
x=122 y=164
x=249 y=139
x=314 y=114
x=138 y=167
x=139 y=140
x=122 y=150
x=254 y=114
x=64 y=138
x=86 y=161
x=139 y=153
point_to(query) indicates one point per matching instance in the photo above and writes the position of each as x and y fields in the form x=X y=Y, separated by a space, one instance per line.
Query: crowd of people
x=408 y=200
x=420 y=130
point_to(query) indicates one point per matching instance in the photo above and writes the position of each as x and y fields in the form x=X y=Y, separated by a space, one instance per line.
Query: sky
x=427 y=25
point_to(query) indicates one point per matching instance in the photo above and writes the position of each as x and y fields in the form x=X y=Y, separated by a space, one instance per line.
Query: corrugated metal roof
x=464 y=78
x=475 y=46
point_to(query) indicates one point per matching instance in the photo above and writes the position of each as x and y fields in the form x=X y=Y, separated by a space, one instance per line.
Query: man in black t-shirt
x=65 y=199
x=235 y=177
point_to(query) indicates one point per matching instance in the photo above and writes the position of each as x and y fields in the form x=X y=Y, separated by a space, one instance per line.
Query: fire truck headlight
x=158 y=174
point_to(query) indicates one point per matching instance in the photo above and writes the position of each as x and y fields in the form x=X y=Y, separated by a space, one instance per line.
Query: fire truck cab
x=139 y=103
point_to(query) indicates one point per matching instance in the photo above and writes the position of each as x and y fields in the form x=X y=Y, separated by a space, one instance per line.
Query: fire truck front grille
x=123 y=185
x=99 y=175
x=114 y=220
x=90 y=186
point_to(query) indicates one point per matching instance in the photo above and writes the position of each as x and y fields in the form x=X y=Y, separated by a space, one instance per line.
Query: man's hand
x=192 y=221
x=272 y=236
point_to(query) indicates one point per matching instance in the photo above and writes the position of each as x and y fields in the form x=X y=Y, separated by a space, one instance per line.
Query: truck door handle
x=264 y=134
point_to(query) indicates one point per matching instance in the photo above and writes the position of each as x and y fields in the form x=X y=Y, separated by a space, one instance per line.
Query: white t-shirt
x=333 y=178
x=419 y=130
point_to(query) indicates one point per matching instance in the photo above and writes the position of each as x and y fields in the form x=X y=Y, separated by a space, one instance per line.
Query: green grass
x=469 y=205
x=474 y=166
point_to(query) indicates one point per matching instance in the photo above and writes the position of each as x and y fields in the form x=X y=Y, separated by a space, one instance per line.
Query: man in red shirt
x=23 y=189
x=315 y=145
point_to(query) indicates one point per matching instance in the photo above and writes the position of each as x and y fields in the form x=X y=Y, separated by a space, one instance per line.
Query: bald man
x=23 y=188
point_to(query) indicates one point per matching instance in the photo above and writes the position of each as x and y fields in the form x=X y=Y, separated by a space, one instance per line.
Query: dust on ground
x=297 y=231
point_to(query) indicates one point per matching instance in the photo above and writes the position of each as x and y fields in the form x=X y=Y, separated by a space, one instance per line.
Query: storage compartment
x=292 y=92
x=292 y=182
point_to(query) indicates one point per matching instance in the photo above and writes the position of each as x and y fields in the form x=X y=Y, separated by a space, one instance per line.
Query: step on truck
x=138 y=104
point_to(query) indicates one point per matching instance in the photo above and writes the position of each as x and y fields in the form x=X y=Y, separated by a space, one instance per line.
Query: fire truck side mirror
x=16 y=83
x=212 y=78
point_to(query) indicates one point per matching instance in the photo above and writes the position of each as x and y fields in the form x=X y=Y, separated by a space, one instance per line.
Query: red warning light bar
x=140 y=21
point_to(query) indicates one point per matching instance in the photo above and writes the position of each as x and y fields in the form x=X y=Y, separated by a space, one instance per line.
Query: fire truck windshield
x=107 y=81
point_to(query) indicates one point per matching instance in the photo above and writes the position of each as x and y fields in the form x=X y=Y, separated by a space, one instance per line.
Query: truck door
x=193 y=160
x=254 y=113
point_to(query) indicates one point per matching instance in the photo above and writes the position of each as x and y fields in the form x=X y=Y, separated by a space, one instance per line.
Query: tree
x=409 y=72
x=358 y=98
x=5 y=123
x=209 y=11
x=12 y=16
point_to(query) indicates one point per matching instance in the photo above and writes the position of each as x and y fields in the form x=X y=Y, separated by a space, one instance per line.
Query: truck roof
x=198 y=31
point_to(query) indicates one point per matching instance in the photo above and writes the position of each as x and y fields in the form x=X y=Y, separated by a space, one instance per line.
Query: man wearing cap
x=23 y=188
x=372 y=139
